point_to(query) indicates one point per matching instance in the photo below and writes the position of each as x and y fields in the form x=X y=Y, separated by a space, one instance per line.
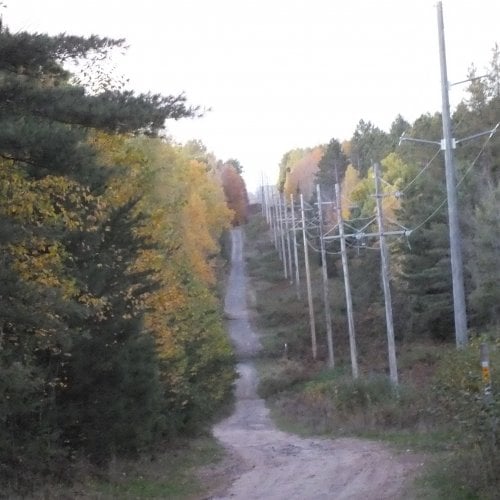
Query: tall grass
x=171 y=472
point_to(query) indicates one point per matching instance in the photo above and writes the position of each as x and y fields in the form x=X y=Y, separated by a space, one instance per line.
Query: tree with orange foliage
x=236 y=193
x=300 y=177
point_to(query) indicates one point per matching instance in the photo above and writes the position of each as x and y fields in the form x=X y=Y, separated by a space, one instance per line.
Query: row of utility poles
x=276 y=210
x=280 y=213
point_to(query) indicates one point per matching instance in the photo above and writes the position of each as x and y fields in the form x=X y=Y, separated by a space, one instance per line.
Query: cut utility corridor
x=278 y=465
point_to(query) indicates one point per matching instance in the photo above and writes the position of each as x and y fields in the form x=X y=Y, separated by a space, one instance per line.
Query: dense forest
x=111 y=337
x=414 y=188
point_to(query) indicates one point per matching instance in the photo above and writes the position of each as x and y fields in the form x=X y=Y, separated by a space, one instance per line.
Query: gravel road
x=276 y=465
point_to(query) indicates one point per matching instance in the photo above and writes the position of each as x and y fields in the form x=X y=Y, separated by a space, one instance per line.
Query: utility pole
x=455 y=241
x=274 y=219
x=312 y=322
x=324 y=270
x=384 y=257
x=272 y=216
x=262 y=195
x=282 y=237
x=288 y=245
x=268 y=204
x=295 y=250
x=347 y=285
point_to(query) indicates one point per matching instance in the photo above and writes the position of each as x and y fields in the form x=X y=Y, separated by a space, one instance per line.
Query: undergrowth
x=171 y=473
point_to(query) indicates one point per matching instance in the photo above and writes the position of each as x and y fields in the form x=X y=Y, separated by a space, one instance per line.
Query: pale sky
x=280 y=74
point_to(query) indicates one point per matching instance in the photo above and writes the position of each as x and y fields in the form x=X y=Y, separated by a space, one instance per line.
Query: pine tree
x=331 y=168
x=44 y=119
x=112 y=395
x=484 y=264
x=74 y=360
x=368 y=145
x=425 y=269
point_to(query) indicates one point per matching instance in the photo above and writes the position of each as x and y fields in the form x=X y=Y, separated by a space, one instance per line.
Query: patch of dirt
x=218 y=477
x=266 y=463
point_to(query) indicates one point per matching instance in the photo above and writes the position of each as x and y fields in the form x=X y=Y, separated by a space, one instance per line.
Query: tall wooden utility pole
x=384 y=257
x=282 y=237
x=274 y=221
x=448 y=145
x=295 y=249
x=324 y=270
x=262 y=195
x=268 y=203
x=347 y=285
x=312 y=322
x=288 y=245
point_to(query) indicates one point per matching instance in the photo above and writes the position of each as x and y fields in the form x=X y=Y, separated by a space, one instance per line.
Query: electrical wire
x=469 y=169
x=360 y=230
x=396 y=224
x=357 y=219
x=308 y=234
x=429 y=163
x=434 y=212
x=481 y=151
x=318 y=250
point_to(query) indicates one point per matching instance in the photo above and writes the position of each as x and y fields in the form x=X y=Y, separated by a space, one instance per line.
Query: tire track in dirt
x=278 y=465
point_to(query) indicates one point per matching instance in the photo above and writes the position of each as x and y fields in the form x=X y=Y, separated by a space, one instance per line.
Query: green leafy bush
x=460 y=404
x=335 y=403
x=281 y=376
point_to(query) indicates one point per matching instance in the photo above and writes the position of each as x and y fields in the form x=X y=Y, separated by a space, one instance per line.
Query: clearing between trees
x=278 y=465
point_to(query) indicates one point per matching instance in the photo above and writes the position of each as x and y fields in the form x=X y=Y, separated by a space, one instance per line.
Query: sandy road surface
x=277 y=465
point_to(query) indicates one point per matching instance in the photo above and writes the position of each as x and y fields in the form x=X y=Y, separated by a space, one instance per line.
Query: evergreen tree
x=77 y=373
x=484 y=262
x=112 y=395
x=368 y=145
x=478 y=164
x=331 y=168
x=235 y=164
x=44 y=120
x=398 y=127
x=425 y=268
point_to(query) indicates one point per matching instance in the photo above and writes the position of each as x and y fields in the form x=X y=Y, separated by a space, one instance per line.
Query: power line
x=421 y=172
x=459 y=183
x=481 y=151
x=441 y=205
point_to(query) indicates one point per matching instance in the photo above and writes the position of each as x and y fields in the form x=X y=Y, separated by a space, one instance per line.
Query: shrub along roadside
x=439 y=407
x=171 y=472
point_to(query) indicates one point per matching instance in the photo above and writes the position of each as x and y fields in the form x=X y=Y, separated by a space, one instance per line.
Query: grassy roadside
x=172 y=474
x=437 y=411
x=187 y=469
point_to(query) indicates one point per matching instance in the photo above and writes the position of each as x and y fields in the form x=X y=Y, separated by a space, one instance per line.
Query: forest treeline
x=111 y=337
x=414 y=187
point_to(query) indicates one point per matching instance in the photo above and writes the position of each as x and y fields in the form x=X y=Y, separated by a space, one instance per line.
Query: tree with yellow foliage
x=110 y=331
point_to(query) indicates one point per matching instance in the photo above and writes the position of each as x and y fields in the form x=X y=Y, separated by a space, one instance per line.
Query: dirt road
x=277 y=465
